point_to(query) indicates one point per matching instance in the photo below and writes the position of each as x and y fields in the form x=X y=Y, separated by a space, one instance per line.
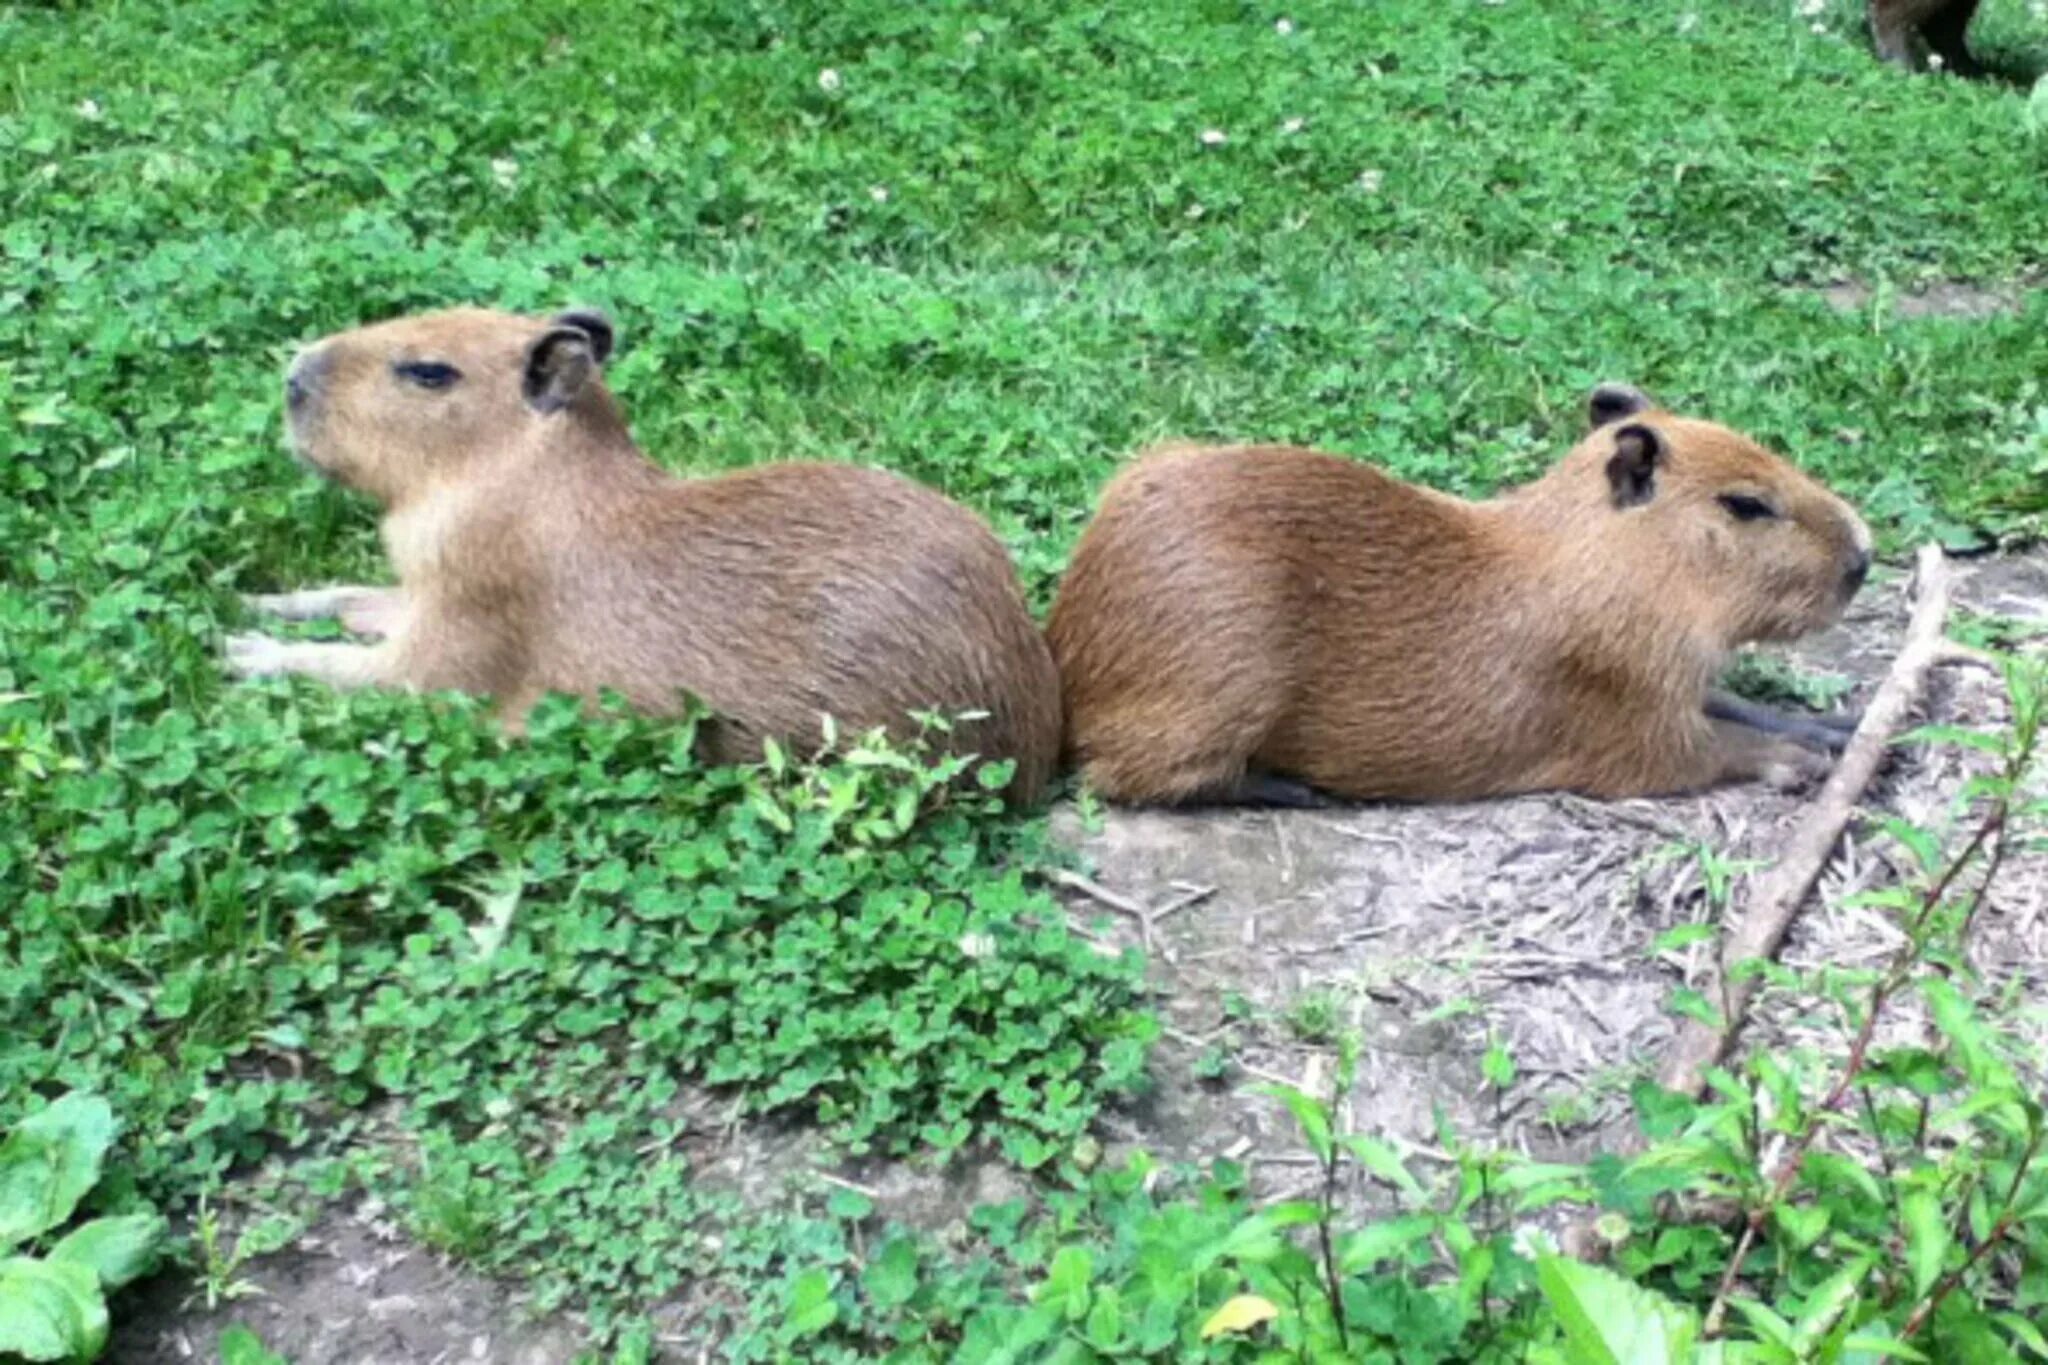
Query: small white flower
x=879 y=193
x=1688 y=21
x=505 y=171
x=1196 y=211
x=89 y=110
x=1213 y=137
x=1809 y=8
x=1283 y=27
x=1934 y=61
x=1821 y=29
x=828 y=80
x=1294 y=125
x=977 y=946
x=1370 y=181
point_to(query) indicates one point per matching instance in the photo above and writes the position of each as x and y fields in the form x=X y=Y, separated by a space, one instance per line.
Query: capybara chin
x=1264 y=623
x=537 y=550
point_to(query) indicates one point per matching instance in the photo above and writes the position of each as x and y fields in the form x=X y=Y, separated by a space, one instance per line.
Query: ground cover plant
x=992 y=247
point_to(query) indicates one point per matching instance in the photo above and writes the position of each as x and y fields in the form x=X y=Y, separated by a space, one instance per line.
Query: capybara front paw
x=255 y=656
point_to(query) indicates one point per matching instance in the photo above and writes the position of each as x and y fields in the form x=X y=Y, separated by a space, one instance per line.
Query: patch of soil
x=1431 y=929
x=351 y=1291
x=1943 y=299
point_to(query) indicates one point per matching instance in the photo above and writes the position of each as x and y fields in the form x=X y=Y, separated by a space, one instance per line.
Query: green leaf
x=1608 y=1321
x=1497 y=1066
x=1826 y=1304
x=1105 y=1326
x=1065 y=1290
x=1764 y=1322
x=1927 y=1238
x=1309 y=1114
x=811 y=1308
x=115 y=1249
x=1801 y=1224
x=2024 y=1331
x=1690 y=1004
x=1256 y=1239
x=891 y=1278
x=1384 y=1163
x=49 y=1163
x=240 y=1346
x=1376 y=1242
x=850 y=1205
x=50 y=1310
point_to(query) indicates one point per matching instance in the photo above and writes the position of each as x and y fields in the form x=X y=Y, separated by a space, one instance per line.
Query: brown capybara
x=537 y=550
x=1900 y=28
x=1264 y=623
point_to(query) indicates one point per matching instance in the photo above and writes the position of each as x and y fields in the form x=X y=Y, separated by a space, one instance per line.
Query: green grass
x=996 y=256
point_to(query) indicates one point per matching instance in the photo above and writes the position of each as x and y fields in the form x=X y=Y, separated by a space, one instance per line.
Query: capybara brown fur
x=537 y=550
x=1266 y=623
x=1899 y=29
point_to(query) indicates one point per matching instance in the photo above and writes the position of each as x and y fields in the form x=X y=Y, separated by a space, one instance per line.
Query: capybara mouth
x=296 y=442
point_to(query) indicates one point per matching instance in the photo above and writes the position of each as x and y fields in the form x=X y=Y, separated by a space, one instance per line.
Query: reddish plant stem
x=1923 y=1314
x=1859 y=1051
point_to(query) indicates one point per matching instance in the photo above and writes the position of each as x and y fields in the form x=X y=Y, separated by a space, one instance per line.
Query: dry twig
x=1779 y=892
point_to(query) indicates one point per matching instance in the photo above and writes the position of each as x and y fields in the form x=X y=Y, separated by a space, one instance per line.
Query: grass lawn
x=362 y=944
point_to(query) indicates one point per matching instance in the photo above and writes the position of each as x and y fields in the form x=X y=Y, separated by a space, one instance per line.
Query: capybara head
x=391 y=408
x=1772 y=550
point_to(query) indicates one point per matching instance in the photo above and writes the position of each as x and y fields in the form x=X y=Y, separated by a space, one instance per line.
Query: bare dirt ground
x=1430 y=929
x=1943 y=299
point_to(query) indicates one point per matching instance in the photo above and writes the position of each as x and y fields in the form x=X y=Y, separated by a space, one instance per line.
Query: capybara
x=1266 y=623
x=537 y=550
x=1900 y=28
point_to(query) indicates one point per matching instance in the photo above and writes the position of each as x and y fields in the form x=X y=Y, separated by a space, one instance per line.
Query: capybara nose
x=1859 y=569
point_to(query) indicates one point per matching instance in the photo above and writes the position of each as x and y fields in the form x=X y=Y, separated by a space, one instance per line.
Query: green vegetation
x=53 y=1306
x=365 y=945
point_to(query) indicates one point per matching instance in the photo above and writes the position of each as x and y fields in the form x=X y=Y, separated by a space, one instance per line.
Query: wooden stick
x=1777 y=895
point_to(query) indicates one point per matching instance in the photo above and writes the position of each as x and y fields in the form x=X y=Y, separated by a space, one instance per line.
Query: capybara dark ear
x=593 y=323
x=1632 y=468
x=559 y=364
x=1612 y=402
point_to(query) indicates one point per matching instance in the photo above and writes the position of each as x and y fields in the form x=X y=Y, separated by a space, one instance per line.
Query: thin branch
x=1779 y=893
x=1927 y=1309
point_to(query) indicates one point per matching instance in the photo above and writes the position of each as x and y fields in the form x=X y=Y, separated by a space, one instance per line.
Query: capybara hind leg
x=1145 y=765
x=1268 y=789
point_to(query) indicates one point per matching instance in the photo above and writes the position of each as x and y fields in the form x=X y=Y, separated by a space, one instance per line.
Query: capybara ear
x=1632 y=468
x=594 y=323
x=1612 y=402
x=559 y=363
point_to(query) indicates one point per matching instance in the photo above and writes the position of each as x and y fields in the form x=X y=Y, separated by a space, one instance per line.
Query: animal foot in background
x=255 y=656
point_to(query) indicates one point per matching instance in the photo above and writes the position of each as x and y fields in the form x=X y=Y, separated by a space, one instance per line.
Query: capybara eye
x=427 y=374
x=1743 y=507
